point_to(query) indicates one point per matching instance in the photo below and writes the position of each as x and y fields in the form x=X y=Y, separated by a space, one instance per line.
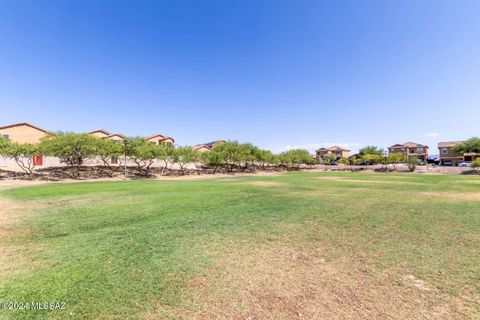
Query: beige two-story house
x=22 y=133
x=104 y=134
x=409 y=149
x=160 y=139
x=340 y=152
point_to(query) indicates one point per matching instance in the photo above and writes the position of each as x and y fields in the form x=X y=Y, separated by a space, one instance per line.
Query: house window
x=6 y=137
x=419 y=150
x=403 y=149
x=444 y=150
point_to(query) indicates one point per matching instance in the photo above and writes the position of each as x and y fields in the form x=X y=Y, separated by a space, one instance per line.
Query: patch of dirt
x=287 y=280
x=453 y=196
x=410 y=279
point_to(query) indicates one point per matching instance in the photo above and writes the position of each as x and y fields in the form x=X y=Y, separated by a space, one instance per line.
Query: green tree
x=412 y=163
x=329 y=158
x=3 y=146
x=184 y=156
x=296 y=157
x=264 y=158
x=395 y=158
x=371 y=158
x=22 y=154
x=344 y=161
x=248 y=154
x=471 y=145
x=232 y=154
x=213 y=158
x=107 y=150
x=143 y=153
x=165 y=155
x=370 y=150
x=71 y=148
x=476 y=163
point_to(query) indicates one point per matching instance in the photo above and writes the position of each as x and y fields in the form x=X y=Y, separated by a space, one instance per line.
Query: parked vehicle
x=465 y=164
x=447 y=163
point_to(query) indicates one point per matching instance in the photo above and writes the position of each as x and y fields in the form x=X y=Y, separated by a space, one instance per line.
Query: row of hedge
x=73 y=150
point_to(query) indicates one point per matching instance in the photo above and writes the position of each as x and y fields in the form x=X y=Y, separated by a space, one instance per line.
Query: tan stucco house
x=22 y=133
x=207 y=146
x=104 y=134
x=99 y=133
x=116 y=137
x=160 y=139
x=340 y=152
x=410 y=149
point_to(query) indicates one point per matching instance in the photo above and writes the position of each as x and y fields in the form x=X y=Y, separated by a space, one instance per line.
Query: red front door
x=38 y=160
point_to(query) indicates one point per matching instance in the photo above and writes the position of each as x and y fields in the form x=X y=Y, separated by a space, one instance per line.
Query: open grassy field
x=294 y=246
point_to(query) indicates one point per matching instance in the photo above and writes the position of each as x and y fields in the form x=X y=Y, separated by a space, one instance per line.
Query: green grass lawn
x=137 y=249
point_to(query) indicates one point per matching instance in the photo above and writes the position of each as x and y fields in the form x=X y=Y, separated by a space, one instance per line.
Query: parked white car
x=465 y=164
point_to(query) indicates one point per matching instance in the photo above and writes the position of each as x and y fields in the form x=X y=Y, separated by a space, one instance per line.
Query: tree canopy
x=371 y=150
x=22 y=154
x=471 y=145
x=71 y=148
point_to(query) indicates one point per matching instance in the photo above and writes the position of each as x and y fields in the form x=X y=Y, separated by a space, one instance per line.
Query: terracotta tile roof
x=162 y=137
x=448 y=144
x=408 y=144
x=115 y=134
x=100 y=130
x=154 y=136
x=23 y=124
x=333 y=148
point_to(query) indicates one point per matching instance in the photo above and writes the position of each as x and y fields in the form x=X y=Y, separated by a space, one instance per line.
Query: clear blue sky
x=279 y=74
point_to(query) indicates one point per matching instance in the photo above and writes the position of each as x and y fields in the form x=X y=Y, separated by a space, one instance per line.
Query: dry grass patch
x=388 y=182
x=11 y=212
x=452 y=196
x=331 y=178
x=264 y=183
x=292 y=279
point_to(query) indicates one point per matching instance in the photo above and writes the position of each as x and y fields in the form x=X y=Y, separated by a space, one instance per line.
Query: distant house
x=447 y=154
x=99 y=133
x=160 y=139
x=115 y=137
x=104 y=134
x=410 y=149
x=155 y=138
x=208 y=146
x=336 y=150
x=22 y=133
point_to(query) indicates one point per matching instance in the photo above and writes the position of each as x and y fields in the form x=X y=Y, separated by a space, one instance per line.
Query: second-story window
x=419 y=150
x=444 y=150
